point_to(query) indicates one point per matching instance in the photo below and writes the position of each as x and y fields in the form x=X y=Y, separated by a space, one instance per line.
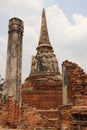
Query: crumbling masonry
x=47 y=100
x=14 y=58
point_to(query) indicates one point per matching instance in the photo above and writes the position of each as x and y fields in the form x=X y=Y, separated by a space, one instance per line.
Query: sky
x=67 y=27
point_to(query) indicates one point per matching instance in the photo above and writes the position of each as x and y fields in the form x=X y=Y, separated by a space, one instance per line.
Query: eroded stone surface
x=14 y=58
x=75 y=80
x=74 y=116
x=45 y=60
x=49 y=100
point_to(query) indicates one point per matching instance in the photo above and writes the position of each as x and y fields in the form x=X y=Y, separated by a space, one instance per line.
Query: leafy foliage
x=1 y=85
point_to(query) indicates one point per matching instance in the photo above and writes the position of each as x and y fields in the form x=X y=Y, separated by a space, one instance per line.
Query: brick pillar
x=14 y=58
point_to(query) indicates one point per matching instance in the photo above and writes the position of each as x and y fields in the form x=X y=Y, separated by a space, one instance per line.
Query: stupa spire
x=44 y=36
x=44 y=62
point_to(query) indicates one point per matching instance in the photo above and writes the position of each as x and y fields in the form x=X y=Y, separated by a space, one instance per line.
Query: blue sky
x=70 y=6
x=67 y=27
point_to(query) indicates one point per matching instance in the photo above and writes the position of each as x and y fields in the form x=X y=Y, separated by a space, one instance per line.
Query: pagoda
x=45 y=61
x=42 y=90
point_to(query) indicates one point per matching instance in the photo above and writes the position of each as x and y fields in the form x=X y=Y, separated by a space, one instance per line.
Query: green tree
x=1 y=85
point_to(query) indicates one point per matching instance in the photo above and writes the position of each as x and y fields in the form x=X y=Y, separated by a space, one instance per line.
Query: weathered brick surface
x=14 y=58
x=42 y=94
x=31 y=119
x=74 y=117
x=9 y=113
x=76 y=81
x=13 y=111
x=49 y=101
x=0 y=112
x=64 y=117
x=41 y=91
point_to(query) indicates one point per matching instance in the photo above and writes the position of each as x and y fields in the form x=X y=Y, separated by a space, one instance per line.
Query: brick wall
x=42 y=93
x=45 y=95
x=76 y=81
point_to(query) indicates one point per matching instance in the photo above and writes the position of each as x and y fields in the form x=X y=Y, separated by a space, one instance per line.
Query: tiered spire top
x=44 y=62
x=44 y=37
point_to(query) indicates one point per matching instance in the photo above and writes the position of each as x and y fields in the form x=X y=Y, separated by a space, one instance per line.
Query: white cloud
x=29 y=11
x=68 y=41
x=3 y=46
x=10 y=5
x=79 y=19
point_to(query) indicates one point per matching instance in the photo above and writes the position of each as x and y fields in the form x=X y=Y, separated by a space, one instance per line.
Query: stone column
x=14 y=58
x=65 y=87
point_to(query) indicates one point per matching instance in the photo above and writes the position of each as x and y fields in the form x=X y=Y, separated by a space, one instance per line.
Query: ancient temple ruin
x=44 y=84
x=47 y=100
x=14 y=58
x=44 y=62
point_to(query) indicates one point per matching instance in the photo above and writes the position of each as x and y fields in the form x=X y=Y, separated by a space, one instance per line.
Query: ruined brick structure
x=42 y=90
x=14 y=58
x=49 y=100
x=11 y=93
x=73 y=114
